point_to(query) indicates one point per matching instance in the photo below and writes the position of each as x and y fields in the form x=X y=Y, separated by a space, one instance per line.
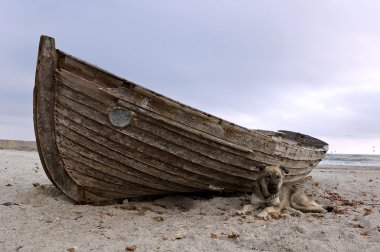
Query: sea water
x=352 y=160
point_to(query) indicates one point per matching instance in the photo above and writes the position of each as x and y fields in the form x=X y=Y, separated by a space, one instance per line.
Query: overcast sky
x=306 y=66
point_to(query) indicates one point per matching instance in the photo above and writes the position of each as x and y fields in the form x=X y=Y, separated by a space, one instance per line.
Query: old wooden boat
x=102 y=138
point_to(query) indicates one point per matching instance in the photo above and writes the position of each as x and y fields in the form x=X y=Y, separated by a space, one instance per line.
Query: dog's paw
x=240 y=212
x=263 y=215
x=243 y=212
x=246 y=209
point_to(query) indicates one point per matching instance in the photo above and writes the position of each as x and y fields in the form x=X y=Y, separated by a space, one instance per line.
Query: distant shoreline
x=347 y=167
x=18 y=145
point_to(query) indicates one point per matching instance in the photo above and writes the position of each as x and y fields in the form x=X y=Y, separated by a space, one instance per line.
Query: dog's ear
x=261 y=167
x=284 y=169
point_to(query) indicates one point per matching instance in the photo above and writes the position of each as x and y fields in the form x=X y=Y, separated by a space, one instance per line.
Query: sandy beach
x=35 y=216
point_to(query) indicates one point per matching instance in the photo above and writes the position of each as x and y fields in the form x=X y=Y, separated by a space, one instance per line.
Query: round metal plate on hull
x=119 y=117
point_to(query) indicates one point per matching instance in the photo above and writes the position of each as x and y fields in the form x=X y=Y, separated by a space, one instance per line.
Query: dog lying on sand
x=270 y=193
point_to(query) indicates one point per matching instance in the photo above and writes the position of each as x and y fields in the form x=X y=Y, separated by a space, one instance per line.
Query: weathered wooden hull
x=165 y=146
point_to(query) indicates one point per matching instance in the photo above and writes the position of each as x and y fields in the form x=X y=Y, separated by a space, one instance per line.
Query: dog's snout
x=272 y=188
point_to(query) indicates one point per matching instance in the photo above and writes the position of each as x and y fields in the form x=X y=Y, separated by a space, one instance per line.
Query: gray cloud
x=261 y=64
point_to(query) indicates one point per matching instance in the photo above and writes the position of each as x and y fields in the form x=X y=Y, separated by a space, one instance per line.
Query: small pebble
x=214 y=236
x=177 y=236
x=300 y=229
x=73 y=249
x=131 y=248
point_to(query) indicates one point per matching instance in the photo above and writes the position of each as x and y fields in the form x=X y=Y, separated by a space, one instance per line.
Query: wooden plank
x=88 y=71
x=77 y=160
x=128 y=189
x=85 y=180
x=116 y=163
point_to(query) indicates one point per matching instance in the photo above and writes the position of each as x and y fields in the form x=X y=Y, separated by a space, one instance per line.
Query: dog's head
x=271 y=178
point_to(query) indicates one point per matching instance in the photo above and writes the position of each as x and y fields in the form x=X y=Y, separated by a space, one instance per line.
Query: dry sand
x=35 y=216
